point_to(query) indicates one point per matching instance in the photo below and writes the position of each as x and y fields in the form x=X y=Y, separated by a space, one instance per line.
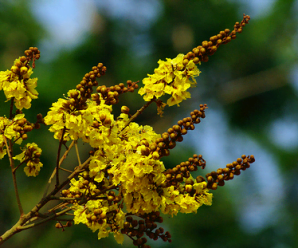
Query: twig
x=138 y=112
x=26 y=217
x=58 y=157
x=61 y=160
x=44 y=220
x=77 y=152
x=61 y=168
x=60 y=205
x=13 y=172
x=25 y=161
x=54 y=171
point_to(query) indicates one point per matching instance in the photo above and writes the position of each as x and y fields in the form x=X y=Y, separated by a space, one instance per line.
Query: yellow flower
x=91 y=124
x=119 y=237
x=31 y=154
x=9 y=130
x=4 y=122
x=19 y=87
x=171 y=77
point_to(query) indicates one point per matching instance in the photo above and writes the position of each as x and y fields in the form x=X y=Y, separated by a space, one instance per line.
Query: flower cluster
x=9 y=129
x=19 y=88
x=4 y=122
x=124 y=162
x=123 y=186
x=30 y=156
x=79 y=123
x=172 y=77
x=16 y=82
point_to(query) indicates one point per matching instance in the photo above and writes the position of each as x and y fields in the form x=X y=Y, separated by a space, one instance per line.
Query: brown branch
x=54 y=171
x=69 y=171
x=26 y=217
x=44 y=220
x=138 y=113
x=13 y=172
x=77 y=152
x=61 y=160
x=25 y=161
x=58 y=157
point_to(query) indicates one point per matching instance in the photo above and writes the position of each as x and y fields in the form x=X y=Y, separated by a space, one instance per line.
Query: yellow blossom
x=4 y=122
x=9 y=130
x=171 y=77
x=31 y=155
x=19 y=87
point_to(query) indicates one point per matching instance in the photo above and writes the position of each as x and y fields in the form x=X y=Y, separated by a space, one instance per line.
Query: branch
x=26 y=217
x=58 y=158
x=60 y=162
x=138 y=113
x=44 y=220
x=77 y=152
x=13 y=172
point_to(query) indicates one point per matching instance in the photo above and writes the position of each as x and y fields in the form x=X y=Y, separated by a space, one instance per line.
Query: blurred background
x=250 y=86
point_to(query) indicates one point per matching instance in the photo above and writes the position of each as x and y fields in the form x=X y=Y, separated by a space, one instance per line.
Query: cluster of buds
x=32 y=54
x=69 y=194
x=23 y=126
x=135 y=229
x=175 y=134
x=85 y=86
x=59 y=225
x=111 y=94
x=208 y=48
x=32 y=153
x=218 y=178
x=21 y=67
x=39 y=121
x=183 y=170
x=96 y=216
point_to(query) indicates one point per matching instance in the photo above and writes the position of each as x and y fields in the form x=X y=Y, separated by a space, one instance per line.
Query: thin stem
x=63 y=219
x=58 y=158
x=13 y=172
x=66 y=153
x=64 y=198
x=61 y=168
x=25 y=161
x=44 y=220
x=77 y=152
x=60 y=205
x=61 y=160
x=26 y=217
x=138 y=113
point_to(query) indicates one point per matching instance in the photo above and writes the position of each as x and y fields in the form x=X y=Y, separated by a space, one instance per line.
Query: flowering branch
x=123 y=186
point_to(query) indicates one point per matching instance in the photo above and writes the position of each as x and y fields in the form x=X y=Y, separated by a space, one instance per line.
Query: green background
x=250 y=86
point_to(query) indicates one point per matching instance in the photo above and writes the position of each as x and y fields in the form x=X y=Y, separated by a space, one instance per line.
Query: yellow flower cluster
x=98 y=215
x=17 y=84
x=172 y=77
x=4 y=122
x=91 y=124
x=7 y=131
x=30 y=155
x=124 y=172
x=122 y=160
x=123 y=176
